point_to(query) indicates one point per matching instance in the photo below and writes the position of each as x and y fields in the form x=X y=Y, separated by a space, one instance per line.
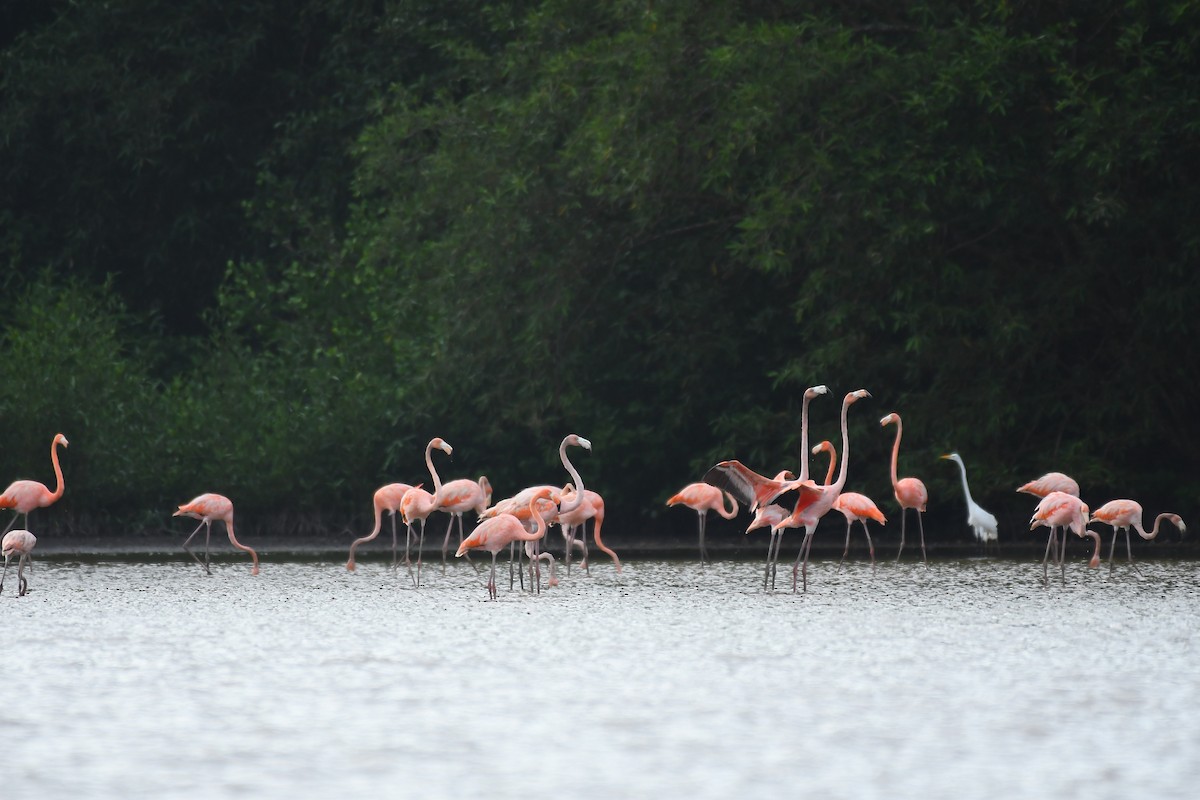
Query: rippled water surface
x=968 y=679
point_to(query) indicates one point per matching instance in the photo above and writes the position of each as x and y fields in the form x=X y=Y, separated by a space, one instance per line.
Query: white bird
x=981 y=521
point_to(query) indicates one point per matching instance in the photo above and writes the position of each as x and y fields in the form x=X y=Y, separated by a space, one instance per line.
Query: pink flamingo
x=17 y=543
x=1126 y=514
x=417 y=504
x=1050 y=482
x=206 y=508
x=1062 y=510
x=909 y=492
x=809 y=394
x=387 y=498
x=498 y=532
x=458 y=497
x=702 y=498
x=25 y=496
x=591 y=508
x=853 y=506
x=809 y=510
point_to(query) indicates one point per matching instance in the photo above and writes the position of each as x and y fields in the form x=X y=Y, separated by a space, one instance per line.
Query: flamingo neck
x=233 y=541
x=721 y=508
x=804 y=438
x=540 y=530
x=841 y=481
x=896 y=451
x=437 y=481
x=58 y=476
x=1095 y=559
x=832 y=465
x=1153 y=531
x=574 y=502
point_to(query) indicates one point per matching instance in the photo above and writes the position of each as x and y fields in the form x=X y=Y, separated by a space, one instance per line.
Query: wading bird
x=17 y=543
x=702 y=498
x=855 y=507
x=206 y=508
x=387 y=498
x=909 y=492
x=498 y=532
x=983 y=523
x=809 y=510
x=1062 y=510
x=1050 y=482
x=24 y=496
x=1126 y=514
x=418 y=504
x=458 y=497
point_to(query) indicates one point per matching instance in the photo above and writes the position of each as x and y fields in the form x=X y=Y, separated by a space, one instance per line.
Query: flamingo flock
x=520 y=522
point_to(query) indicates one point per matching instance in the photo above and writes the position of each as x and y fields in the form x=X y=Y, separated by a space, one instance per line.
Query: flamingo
x=809 y=393
x=499 y=531
x=853 y=506
x=17 y=543
x=909 y=492
x=1062 y=510
x=25 y=496
x=810 y=509
x=1126 y=514
x=206 y=508
x=387 y=498
x=418 y=504
x=1050 y=482
x=983 y=523
x=591 y=508
x=458 y=497
x=702 y=498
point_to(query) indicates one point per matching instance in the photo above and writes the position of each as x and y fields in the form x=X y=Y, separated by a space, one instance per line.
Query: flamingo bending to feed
x=810 y=509
x=499 y=531
x=702 y=498
x=387 y=498
x=1062 y=510
x=909 y=492
x=458 y=497
x=1126 y=514
x=853 y=506
x=17 y=543
x=24 y=496
x=982 y=522
x=1050 y=482
x=418 y=504
x=591 y=508
x=206 y=508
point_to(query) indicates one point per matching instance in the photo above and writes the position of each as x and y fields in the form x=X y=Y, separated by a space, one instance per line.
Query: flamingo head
x=60 y=439
x=890 y=419
x=857 y=394
x=813 y=391
x=824 y=447
x=577 y=441
x=437 y=443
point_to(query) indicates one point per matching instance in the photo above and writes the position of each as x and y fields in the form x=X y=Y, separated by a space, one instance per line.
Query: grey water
x=968 y=678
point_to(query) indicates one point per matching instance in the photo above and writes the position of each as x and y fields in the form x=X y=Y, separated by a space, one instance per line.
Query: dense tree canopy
x=271 y=250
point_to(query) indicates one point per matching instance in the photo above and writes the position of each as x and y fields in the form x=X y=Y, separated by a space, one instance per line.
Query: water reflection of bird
x=387 y=498
x=980 y=521
x=17 y=543
x=1066 y=511
x=1126 y=514
x=702 y=498
x=24 y=496
x=418 y=504
x=499 y=531
x=909 y=492
x=855 y=507
x=206 y=508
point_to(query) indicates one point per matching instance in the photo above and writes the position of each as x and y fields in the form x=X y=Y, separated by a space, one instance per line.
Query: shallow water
x=969 y=679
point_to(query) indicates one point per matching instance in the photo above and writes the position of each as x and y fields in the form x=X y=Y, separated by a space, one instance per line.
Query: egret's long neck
x=966 y=489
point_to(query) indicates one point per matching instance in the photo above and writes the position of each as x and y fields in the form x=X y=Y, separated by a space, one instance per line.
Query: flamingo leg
x=846 y=549
x=569 y=539
x=446 y=542
x=901 y=550
x=4 y=575
x=702 y=516
x=583 y=538
x=407 y=546
x=22 y=582
x=1129 y=553
x=870 y=544
x=1046 y=557
x=772 y=552
x=801 y=564
x=13 y=520
x=395 y=541
x=461 y=539
x=1112 y=550
x=921 y=528
x=188 y=541
x=492 y=594
x=420 y=550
